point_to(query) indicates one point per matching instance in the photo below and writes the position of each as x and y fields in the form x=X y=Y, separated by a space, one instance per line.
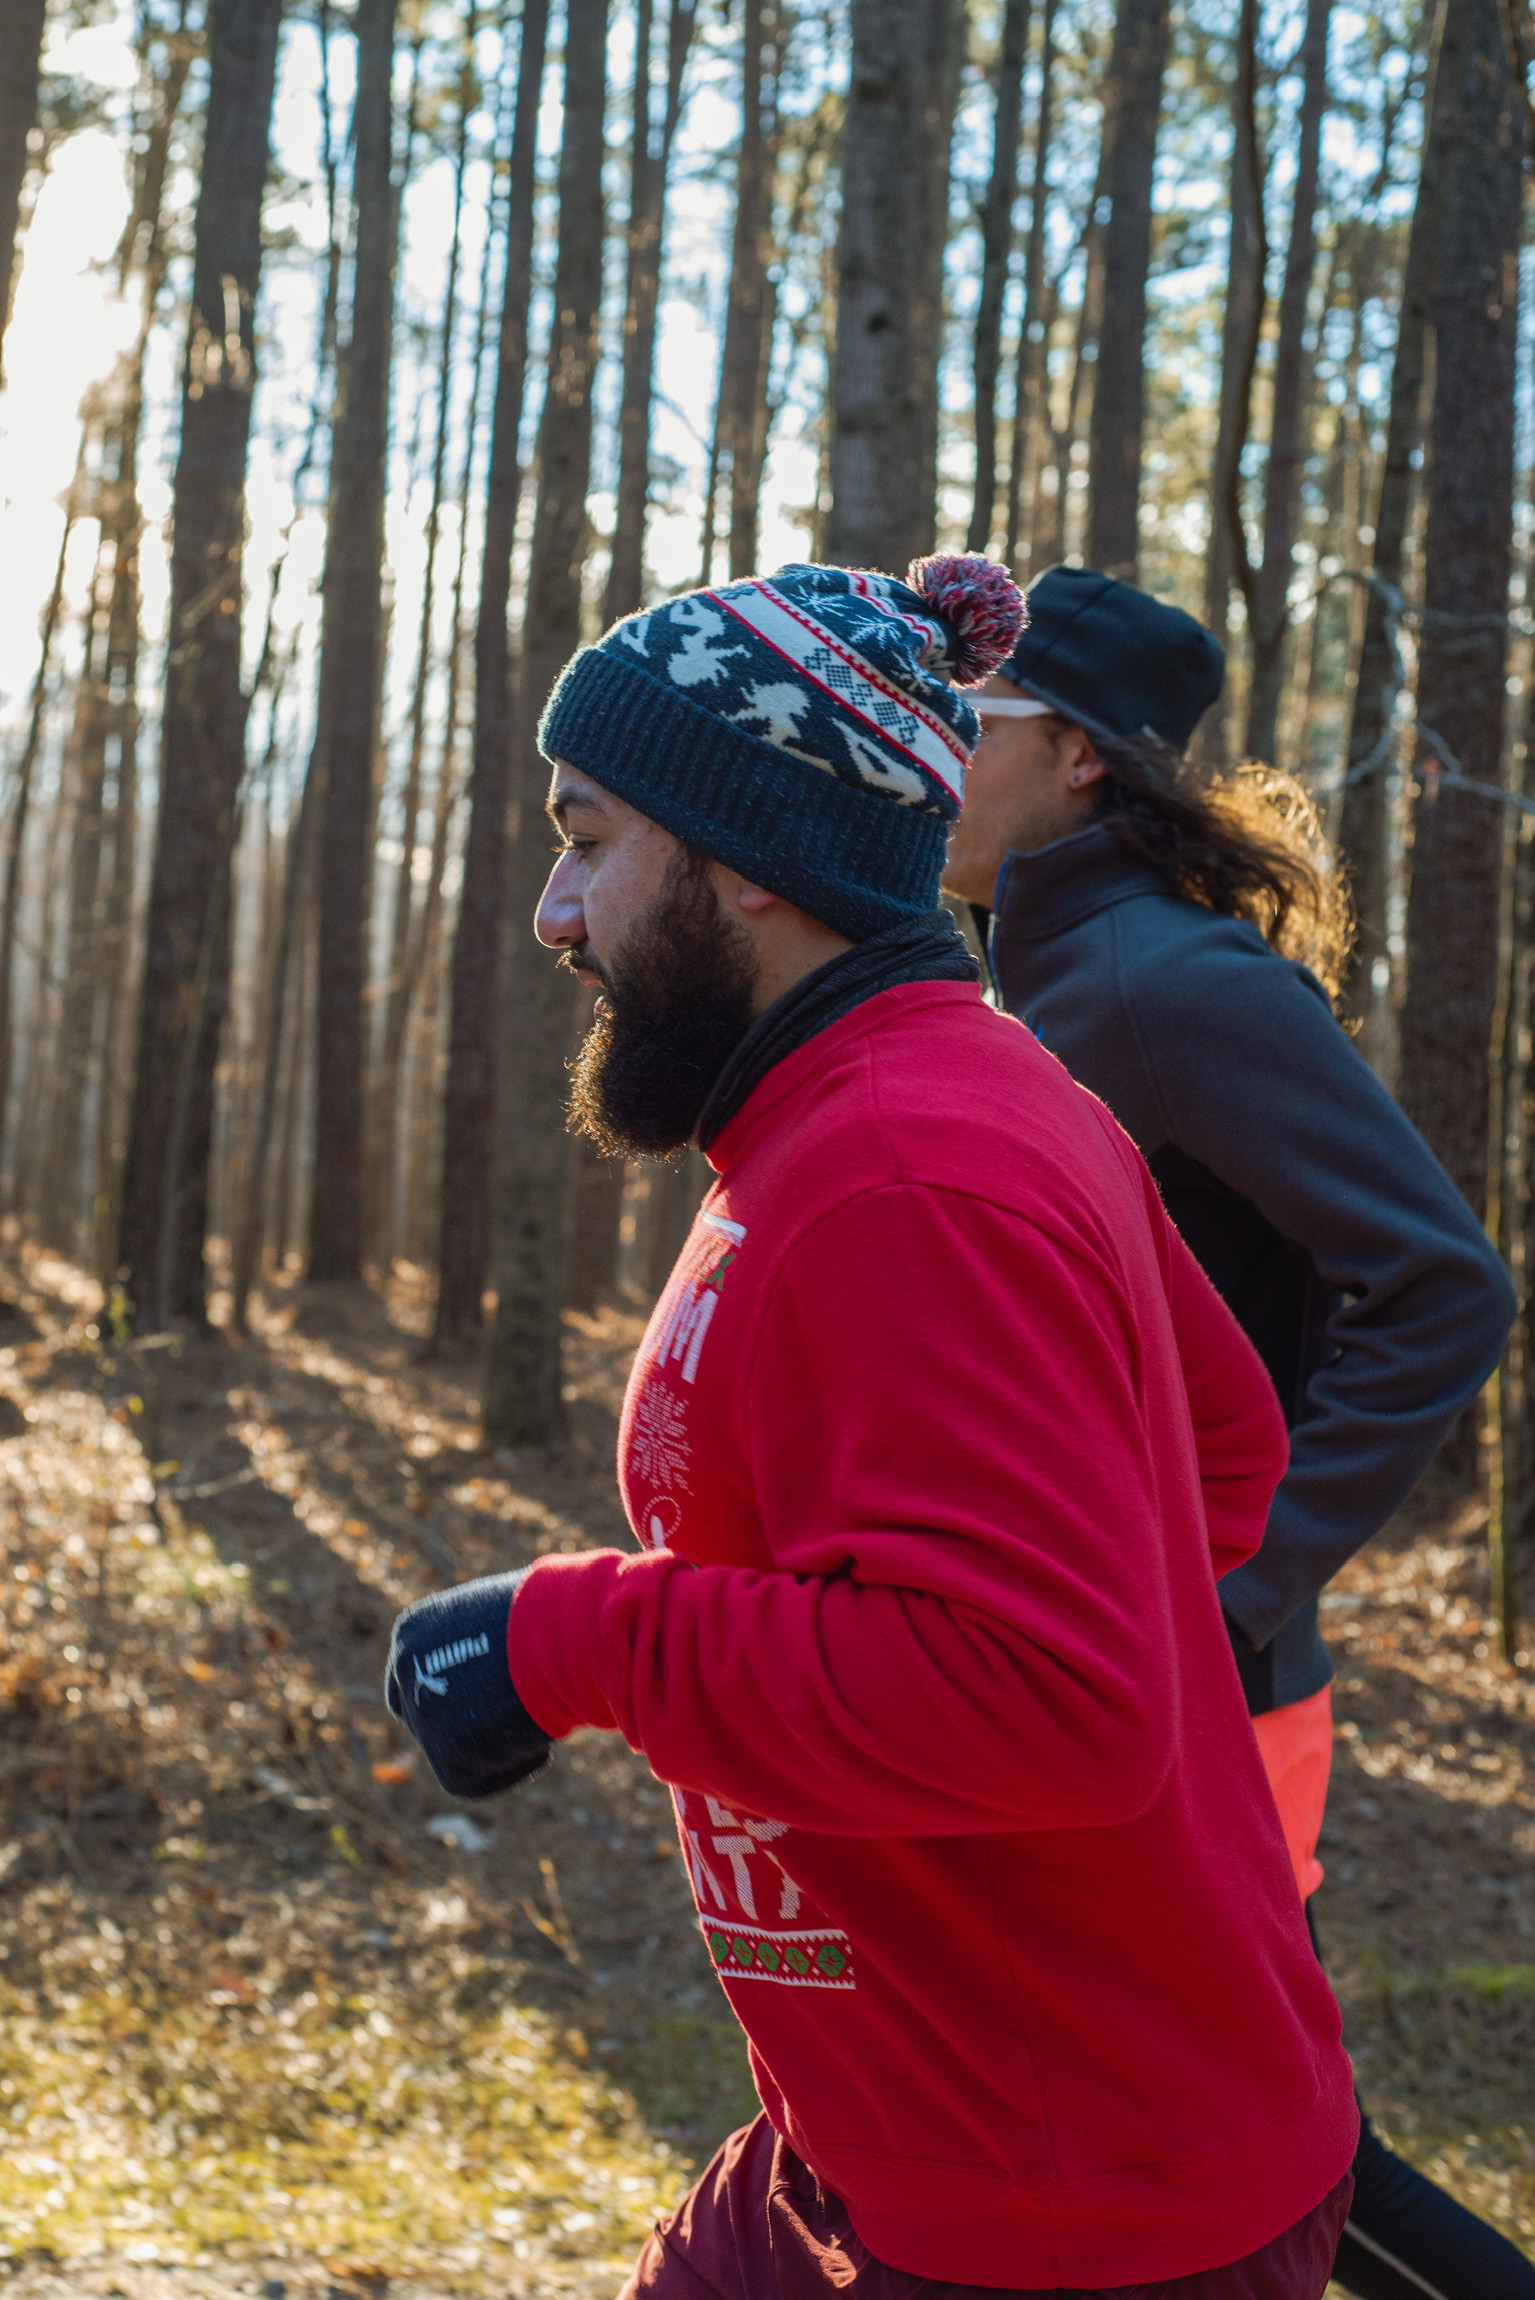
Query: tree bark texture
x=1362 y=827
x=1132 y=109
x=650 y=158
x=524 y=1394
x=64 y=1165
x=997 y=238
x=19 y=809
x=741 y=417
x=351 y=666
x=384 y=1076
x=202 y=755
x=469 y=1092
x=1458 y=836
x=902 y=90
x=1034 y=328
x=22 y=24
x=1241 y=328
x=114 y=961
x=1269 y=588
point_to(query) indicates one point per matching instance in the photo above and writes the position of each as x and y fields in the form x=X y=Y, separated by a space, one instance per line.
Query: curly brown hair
x=1248 y=843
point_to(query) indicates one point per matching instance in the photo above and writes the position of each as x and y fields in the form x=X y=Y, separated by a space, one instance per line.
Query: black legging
x=1406 y=2239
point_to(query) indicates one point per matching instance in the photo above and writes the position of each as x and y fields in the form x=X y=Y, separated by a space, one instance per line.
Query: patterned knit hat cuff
x=857 y=862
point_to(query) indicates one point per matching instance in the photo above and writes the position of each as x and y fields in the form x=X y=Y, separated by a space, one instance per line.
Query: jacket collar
x=1042 y=894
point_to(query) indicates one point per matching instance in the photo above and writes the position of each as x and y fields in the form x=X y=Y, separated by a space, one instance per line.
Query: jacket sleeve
x=968 y=1624
x=1258 y=1082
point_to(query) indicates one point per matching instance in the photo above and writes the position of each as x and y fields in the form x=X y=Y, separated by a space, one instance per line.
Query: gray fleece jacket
x=1344 y=1249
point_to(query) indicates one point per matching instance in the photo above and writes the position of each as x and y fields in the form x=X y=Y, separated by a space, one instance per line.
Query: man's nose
x=560 y=920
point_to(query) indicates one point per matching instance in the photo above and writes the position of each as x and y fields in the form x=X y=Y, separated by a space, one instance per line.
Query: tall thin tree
x=1241 y=331
x=1267 y=587
x=737 y=454
x=469 y=1090
x=1453 y=907
x=902 y=89
x=19 y=809
x=1033 y=328
x=997 y=236
x=739 y=447
x=1132 y=112
x=384 y=1073
x=202 y=755
x=649 y=162
x=22 y=24
x=524 y=1394
x=351 y=663
x=1362 y=824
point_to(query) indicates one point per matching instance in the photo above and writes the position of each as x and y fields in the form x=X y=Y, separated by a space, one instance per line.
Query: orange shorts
x=1295 y=1744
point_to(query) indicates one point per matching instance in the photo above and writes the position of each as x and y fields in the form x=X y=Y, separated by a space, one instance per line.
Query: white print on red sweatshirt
x=933 y=1468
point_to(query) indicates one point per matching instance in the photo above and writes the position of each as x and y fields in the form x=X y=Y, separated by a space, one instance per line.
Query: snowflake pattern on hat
x=848 y=671
x=770 y=723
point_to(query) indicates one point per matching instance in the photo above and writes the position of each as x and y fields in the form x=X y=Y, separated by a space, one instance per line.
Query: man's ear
x=1081 y=762
x=736 y=893
x=755 y=898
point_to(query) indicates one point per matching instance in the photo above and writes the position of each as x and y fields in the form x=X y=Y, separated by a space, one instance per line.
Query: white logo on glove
x=429 y=1677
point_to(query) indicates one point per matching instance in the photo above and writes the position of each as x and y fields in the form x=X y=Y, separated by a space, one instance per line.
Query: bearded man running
x=933 y=1449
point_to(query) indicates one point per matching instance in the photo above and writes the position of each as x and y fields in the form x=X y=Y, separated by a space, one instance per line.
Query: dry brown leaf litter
x=261 y=2027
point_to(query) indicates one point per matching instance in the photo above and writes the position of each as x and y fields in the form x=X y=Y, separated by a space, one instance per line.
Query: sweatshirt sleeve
x=1260 y=1085
x=968 y=1627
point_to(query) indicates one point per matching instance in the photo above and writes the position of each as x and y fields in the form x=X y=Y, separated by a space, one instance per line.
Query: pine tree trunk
x=739 y=447
x=351 y=667
x=96 y=1001
x=1033 y=332
x=524 y=1392
x=165 y=1181
x=1241 y=329
x=1362 y=826
x=1132 y=108
x=20 y=809
x=647 y=212
x=469 y=1092
x=384 y=1078
x=422 y=956
x=286 y=964
x=1269 y=609
x=1452 y=917
x=42 y=933
x=902 y=89
x=21 y=49
x=63 y=1173
x=996 y=257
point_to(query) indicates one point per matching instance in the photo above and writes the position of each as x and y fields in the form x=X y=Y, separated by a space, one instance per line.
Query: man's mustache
x=580 y=958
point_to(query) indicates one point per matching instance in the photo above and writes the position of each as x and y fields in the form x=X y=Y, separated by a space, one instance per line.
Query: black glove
x=448 y=1683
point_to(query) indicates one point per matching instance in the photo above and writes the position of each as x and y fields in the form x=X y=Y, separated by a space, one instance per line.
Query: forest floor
x=277 y=2017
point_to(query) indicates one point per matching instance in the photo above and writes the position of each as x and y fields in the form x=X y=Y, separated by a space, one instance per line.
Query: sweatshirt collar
x=1056 y=887
x=771 y=1102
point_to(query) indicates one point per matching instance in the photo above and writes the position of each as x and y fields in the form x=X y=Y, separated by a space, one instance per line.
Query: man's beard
x=678 y=994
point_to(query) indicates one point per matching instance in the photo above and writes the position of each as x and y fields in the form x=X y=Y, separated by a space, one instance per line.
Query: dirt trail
x=267 y=2024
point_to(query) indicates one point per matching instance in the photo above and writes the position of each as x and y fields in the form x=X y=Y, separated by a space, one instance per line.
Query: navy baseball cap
x=1114 y=660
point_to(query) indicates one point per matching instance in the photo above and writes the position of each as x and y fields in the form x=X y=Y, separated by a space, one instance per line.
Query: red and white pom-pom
x=981 y=604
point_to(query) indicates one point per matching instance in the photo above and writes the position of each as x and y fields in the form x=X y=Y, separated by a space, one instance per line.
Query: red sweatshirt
x=925 y=1638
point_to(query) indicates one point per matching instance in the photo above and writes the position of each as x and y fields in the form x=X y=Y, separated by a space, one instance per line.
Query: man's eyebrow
x=564 y=797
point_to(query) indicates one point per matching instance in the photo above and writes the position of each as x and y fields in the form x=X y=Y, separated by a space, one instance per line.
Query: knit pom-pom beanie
x=804 y=728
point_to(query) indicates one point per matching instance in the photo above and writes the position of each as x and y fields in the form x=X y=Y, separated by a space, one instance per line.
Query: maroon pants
x=759 y=2226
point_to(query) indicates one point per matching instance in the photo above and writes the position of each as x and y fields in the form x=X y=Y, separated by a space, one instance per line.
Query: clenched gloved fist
x=447 y=1680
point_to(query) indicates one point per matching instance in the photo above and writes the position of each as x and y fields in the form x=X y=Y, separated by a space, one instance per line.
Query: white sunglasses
x=1004 y=707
